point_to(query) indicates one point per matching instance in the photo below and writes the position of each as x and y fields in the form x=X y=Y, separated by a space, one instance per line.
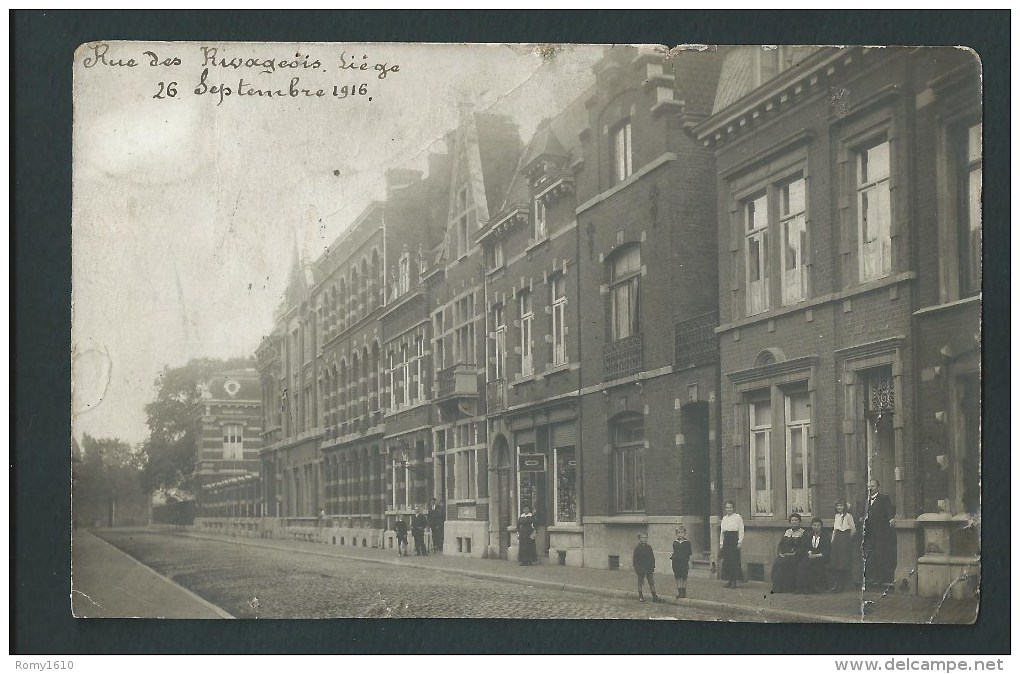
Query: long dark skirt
x=813 y=577
x=526 y=553
x=732 y=569
x=842 y=552
x=784 y=574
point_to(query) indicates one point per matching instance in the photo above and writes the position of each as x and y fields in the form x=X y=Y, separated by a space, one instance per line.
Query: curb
x=209 y=605
x=726 y=609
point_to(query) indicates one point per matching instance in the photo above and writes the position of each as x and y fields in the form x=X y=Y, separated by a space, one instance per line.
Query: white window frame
x=527 y=321
x=793 y=232
x=405 y=374
x=631 y=452
x=499 y=346
x=233 y=441
x=419 y=369
x=540 y=230
x=407 y=485
x=874 y=239
x=621 y=151
x=559 y=313
x=756 y=238
x=498 y=258
x=393 y=382
x=760 y=432
x=556 y=485
x=404 y=274
x=802 y=426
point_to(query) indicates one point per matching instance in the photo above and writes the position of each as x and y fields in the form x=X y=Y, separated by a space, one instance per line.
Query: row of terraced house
x=735 y=273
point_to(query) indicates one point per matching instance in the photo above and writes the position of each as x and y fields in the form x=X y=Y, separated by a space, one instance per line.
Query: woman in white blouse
x=843 y=530
x=731 y=537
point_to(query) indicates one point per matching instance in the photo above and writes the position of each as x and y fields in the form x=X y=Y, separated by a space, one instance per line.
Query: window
x=624 y=293
x=566 y=485
x=527 y=316
x=440 y=352
x=798 y=425
x=393 y=382
x=498 y=259
x=464 y=471
x=793 y=225
x=620 y=152
x=233 y=442
x=760 y=413
x=404 y=274
x=874 y=215
x=419 y=345
x=540 y=229
x=559 y=315
x=499 y=358
x=464 y=336
x=628 y=464
x=405 y=377
x=970 y=209
x=401 y=485
x=756 y=222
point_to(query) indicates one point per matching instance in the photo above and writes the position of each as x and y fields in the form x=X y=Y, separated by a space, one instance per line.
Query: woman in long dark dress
x=731 y=537
x=526 y=553
x=681 y=559
x=841 y=555
x=816 y=558
x=789 y=553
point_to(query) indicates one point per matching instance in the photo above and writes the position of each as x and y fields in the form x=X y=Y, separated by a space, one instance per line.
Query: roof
x=738 y=75
x=232 y=385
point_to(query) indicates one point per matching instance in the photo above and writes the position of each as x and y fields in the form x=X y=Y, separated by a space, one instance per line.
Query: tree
x=170 y=449
x=106 y=473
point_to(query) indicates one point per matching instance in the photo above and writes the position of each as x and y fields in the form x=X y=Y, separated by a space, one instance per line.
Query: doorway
x=695 y=495
x=504 y=512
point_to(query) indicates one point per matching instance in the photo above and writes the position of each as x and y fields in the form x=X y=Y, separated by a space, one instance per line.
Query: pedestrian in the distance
x=419 y=523
x=841 y=554
x=400 y=529
x=731 y=537
x=437 y=518
x=644 y=566
x=526 y=552
x=681 y=559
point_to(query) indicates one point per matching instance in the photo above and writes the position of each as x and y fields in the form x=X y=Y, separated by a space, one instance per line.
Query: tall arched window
x=354 y=311
x=624 y=293
x=340 y=307
x=628 y=432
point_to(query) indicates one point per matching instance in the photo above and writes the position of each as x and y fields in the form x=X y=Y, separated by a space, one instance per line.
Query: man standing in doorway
x=879 y=542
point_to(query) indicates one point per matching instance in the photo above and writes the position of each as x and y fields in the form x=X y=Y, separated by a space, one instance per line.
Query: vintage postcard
x=527 y=331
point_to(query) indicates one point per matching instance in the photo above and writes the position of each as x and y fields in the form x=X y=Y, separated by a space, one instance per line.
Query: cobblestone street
x=289 y=584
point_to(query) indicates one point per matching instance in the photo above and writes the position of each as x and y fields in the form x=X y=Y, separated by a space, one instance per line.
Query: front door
x=504 y=517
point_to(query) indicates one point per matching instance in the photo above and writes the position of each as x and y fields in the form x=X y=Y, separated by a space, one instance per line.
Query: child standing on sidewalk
x=644 y=567
x=681 y=561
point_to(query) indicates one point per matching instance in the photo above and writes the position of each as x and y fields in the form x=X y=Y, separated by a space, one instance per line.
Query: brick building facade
x=736 y=273
x=828 y=170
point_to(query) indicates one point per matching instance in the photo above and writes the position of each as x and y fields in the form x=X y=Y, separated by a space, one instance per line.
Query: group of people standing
x=815 y=560
x=432 y=518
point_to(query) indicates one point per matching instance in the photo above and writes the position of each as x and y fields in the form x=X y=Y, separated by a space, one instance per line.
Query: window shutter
x=564 y=435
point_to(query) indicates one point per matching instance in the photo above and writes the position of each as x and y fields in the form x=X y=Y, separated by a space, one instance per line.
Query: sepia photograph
x=526 y=331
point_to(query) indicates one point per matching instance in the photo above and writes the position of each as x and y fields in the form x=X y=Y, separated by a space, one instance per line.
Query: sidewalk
x=107 y=583
x=751 y=602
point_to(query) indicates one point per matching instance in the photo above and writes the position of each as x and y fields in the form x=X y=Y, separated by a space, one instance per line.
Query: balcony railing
x=495 y=395
x=459 y=380
x=623 y=357
x=695 y=341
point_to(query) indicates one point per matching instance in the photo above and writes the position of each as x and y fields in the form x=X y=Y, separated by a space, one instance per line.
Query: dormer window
x=620 y=151
x=404 y=274
x=540 y=228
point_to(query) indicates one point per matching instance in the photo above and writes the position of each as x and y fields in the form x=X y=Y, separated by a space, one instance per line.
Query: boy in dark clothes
x=644 y=567
x=681 y=561
x=400 y=529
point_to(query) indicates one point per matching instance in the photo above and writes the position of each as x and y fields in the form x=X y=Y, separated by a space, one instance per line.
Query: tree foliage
x=106 y=479
x=170 y=450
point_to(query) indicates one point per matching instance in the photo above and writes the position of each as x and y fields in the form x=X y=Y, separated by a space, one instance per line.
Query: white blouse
x=733 y=522
x=844 y=522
